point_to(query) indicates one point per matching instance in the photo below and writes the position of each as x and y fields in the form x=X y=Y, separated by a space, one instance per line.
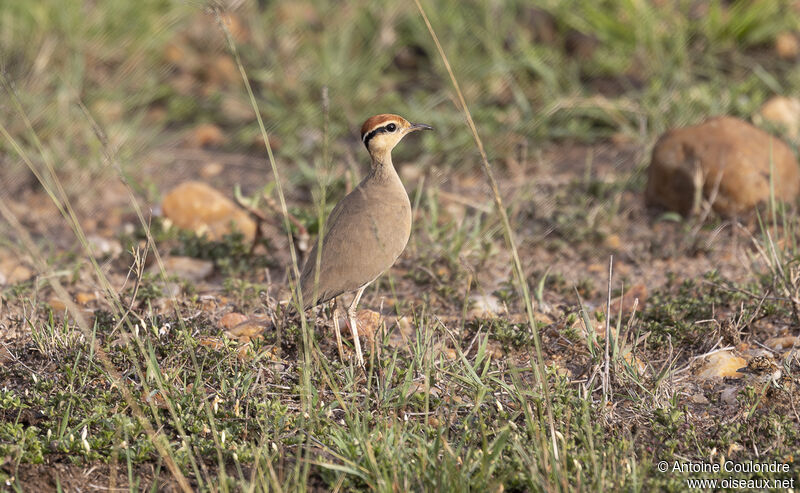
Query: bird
x=365 y=232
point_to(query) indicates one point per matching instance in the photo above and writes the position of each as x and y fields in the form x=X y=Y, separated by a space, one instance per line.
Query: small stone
x=721 y=364
x=212 y=342
x=221 y=71
x=621 y=139
x=104 y=247
x=368 y=323
x=5 y=355
x=699 y=399
x=495 y=350
x=401 y=333
x=187 y=268
x=787 y=46
x=108 y=110
x=198 y=207
x=612 y=242
x=231 y=320
x=635 y=362
x=727 y=160
x=84 y=298
x=57 y=305
x=206 y=135
x=156 y=398
x=208 y=303
x=728 y=395
x=782 y=343
x=211 y=170
x=236 y=111
x=540 y=318
x=784 y=113
x=13 y=273
x=245 y=331
x=484 y=306
x=170 y=289
x=635 y=295
x=238 y=28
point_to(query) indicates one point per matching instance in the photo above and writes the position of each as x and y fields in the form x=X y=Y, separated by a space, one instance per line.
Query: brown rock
x=726 y=159
x=198 y=207
x=104 y=247
x=108 y=110
x=236 y=111
x=211 y=170
x=222 y=71
x=57 y=305
x=721 y=364
x=484 y=306
x=783 y=112
x=635 y=362
x=787 y=46
x=5 y=355
x=11 y=272
x=231 y=320
x=84 y=298
x=612 y=242
x=187 y=268
x=369 y=322
x=402 y=333
x=213 y=342
x=246 y=330
x=626 y=302
x=206 y=135
x=782 y=343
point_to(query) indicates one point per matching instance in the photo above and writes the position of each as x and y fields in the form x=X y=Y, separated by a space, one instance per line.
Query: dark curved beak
x=419 y=126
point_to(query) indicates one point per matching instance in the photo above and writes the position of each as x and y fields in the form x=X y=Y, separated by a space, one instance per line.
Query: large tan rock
x=721 y=364
x=198 y=207
x=723 y=158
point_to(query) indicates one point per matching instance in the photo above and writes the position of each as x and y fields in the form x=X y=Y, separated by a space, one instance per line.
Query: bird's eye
x=391 y=127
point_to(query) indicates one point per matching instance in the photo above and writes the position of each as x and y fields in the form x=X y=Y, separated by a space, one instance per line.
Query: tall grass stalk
x=522 y=283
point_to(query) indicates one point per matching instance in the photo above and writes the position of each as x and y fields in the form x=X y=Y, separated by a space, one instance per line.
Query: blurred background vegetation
x=532 y=71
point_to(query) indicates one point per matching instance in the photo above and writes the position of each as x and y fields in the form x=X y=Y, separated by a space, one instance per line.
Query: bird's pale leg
x=351 y=316
x=336 y=309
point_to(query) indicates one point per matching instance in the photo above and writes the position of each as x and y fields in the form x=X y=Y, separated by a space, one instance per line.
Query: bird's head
x=382 y=132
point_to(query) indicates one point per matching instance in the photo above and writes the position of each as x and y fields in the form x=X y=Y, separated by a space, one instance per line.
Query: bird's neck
x=382 y=168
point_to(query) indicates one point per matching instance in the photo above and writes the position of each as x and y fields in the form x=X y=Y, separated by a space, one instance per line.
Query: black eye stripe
x=377 y=131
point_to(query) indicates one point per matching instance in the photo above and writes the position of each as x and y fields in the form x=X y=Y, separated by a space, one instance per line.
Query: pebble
x=104 y=247
x=787 y=46
x=230 y=320
x=781 y=343
x=84 y=298
x=186 y=268
x=784 y=113
x=247 y=330
x=484 y=306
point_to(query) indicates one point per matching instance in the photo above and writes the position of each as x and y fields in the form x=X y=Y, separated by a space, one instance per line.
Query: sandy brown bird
x=366 y=231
